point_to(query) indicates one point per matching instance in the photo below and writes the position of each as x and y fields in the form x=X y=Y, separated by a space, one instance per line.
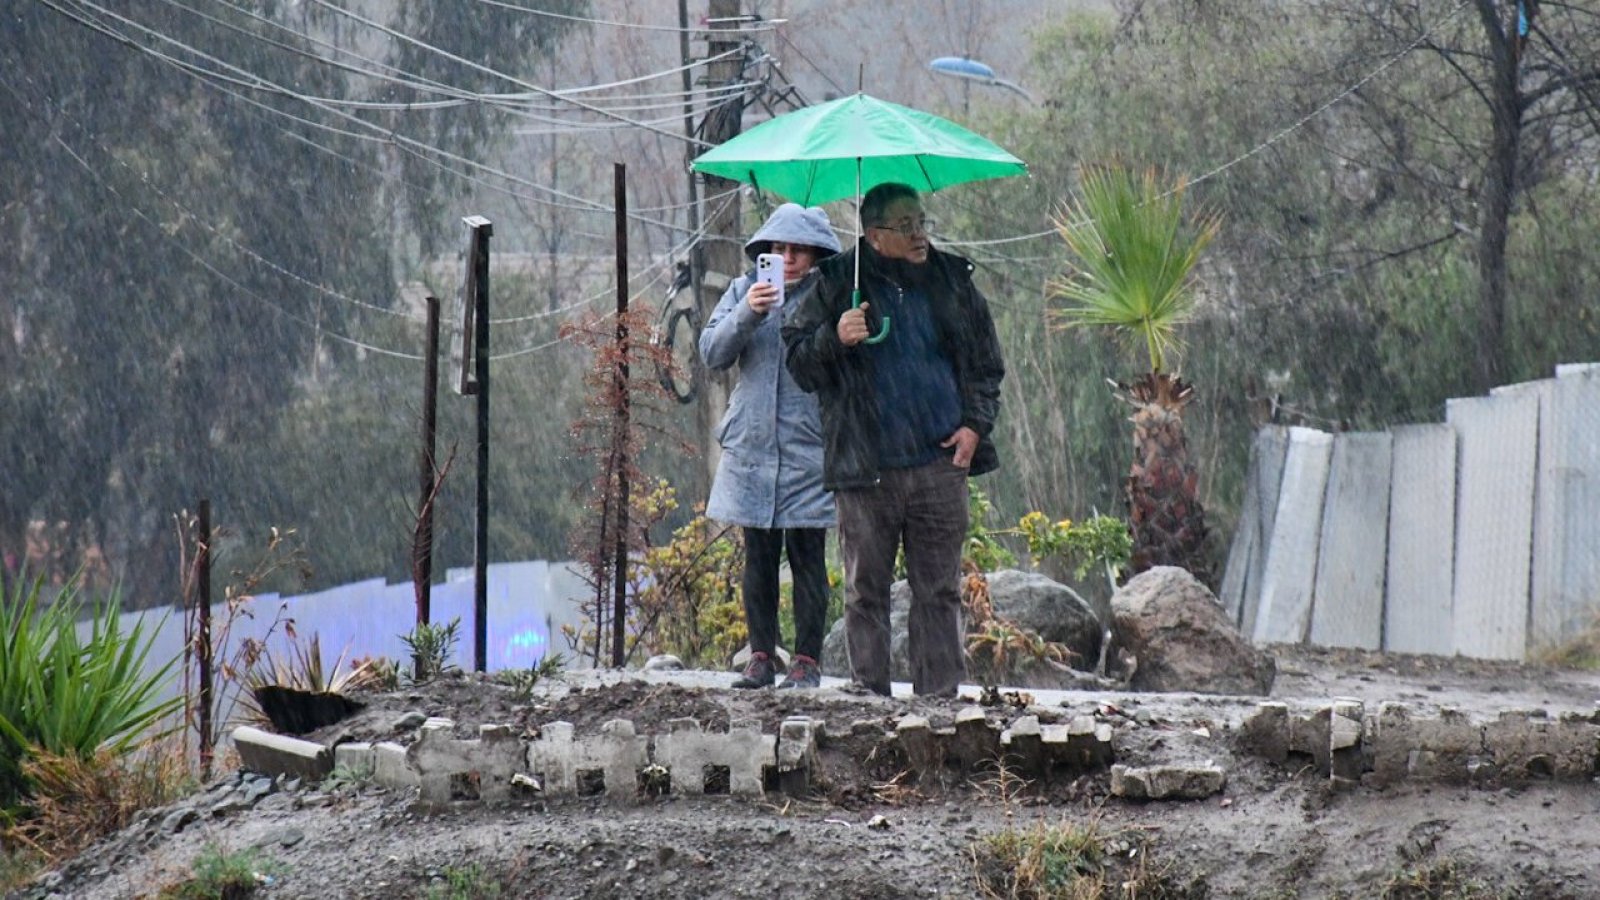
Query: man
x=905 y=421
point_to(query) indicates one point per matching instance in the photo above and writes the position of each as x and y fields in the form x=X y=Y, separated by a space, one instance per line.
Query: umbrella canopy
x=810 y=156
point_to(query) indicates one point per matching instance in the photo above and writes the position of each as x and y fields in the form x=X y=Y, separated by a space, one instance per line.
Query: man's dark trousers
x=924 y=508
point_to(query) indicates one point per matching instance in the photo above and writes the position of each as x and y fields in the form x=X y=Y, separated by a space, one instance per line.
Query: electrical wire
x=767 y=26
x=423 y=84
x=397 y=35
x=1275 y=138
x=411 y=146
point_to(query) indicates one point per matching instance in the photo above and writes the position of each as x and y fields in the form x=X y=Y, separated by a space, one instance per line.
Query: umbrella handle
x=855 y=303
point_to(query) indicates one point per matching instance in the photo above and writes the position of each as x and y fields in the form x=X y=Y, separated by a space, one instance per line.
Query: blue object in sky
x=963 y=67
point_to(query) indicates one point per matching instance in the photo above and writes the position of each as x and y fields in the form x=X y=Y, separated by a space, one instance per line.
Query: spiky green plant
x=68 y=696
x=1134 y=257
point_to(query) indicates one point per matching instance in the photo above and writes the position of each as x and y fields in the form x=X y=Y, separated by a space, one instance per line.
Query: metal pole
x=422 y=562
x=202 y=565
x=480 y=556
x=619 y=617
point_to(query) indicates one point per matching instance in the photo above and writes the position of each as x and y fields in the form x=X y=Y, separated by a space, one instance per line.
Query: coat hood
x=792 y=223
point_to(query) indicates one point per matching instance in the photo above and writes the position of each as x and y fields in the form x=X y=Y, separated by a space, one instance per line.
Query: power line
x=1280 y=135
x=397 y=35
x=634 y=25
x=406 y=144
x=423 y=84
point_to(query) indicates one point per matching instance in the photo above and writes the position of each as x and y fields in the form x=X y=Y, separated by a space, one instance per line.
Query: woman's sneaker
x=805 y=673
x=760 y=672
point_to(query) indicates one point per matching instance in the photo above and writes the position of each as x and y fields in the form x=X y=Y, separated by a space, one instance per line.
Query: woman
x=769 y=480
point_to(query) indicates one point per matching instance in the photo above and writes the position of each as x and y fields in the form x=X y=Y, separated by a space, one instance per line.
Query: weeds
x=1073 y=862
x=347 y=777
x=222 y=875
x=432 y=649
x=469 y=882
x=78 y=800
x=1443 y=879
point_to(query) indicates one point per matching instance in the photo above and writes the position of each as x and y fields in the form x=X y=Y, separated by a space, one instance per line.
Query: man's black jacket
x=842 y=377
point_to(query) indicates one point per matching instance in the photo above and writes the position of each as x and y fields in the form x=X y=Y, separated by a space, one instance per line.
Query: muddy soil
x=871 y=829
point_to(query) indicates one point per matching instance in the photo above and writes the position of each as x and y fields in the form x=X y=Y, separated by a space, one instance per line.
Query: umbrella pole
x=861 y=234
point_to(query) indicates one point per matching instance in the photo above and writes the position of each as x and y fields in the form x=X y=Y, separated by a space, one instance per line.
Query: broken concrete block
x=1167 y=782
x=276 y=754
x=917 y=742
x=798 y=737
x=976 y=741
x=1266 y=732
x=390 y=767
x=1023 y=745
x=1345 y=725
x=354 y=756
x=1529 y=746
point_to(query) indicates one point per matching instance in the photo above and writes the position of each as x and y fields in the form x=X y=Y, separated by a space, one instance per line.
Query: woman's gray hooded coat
x=770 y=474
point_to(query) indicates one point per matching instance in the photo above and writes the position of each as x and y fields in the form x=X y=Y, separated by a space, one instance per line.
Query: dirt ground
x=1272 y=832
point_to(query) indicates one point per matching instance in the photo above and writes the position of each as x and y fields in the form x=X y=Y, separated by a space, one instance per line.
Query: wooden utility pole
x=619 y=616
x=722 y=254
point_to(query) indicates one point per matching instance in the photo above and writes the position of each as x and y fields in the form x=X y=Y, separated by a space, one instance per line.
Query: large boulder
x=1028 y=599
x=1180 y=639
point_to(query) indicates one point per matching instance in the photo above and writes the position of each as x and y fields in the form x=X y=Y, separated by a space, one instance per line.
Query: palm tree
x=1134 y=259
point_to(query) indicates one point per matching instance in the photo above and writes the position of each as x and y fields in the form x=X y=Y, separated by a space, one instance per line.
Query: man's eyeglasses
x=910 y=227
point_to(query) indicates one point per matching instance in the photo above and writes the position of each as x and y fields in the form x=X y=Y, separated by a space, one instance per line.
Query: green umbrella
x=843 y=147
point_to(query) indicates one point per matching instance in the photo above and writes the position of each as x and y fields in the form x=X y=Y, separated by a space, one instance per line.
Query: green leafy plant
x=523 y=681
x=219 y=874
x=983 y=549
x=347 y=777
x=432 y=647
x=1098 y=541
x=66 y=696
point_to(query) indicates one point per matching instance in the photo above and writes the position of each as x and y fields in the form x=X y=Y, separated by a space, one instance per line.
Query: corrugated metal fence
x=1478 y=537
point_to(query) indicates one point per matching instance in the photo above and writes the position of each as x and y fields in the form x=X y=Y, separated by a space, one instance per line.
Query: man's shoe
x=805 y=673
x=760 y=672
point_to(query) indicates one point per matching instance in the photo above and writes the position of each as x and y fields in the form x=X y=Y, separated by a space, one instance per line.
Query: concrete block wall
x=1474 y=537
x=501 y=765
x=1351 y=744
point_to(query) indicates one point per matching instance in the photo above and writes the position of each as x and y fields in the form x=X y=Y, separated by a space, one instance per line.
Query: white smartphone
x=769 y=269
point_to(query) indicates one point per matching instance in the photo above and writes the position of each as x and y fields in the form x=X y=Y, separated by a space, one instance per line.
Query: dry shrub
x=78 y=800
x=1581 y=651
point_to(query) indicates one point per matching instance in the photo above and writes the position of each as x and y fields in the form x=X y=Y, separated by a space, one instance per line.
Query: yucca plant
x=62 y=695
x=1134 y=256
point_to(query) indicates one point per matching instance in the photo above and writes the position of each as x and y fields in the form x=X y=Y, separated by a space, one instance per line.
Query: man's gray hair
x=878 y=199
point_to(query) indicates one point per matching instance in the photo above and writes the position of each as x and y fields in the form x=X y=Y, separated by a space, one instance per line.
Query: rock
x=286 y=836
x=664 y=662
x=1182 y=639
x=256 y=788
x=177 y=820
x=1028 y=599
x=411 y=721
